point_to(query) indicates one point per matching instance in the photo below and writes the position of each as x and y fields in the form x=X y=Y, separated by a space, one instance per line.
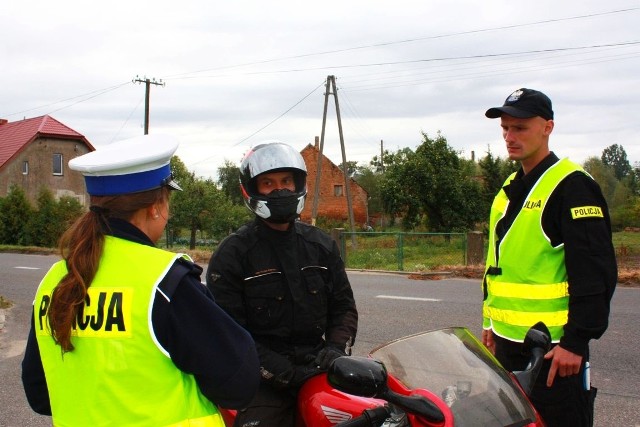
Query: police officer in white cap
x=124 y=333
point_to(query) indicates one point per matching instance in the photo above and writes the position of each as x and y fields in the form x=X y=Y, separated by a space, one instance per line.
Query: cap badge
x=515 y=96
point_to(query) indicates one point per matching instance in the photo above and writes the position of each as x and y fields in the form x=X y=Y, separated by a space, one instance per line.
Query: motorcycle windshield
x=453 y=363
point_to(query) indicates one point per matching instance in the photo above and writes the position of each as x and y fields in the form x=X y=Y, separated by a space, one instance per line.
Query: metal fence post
x=400 y=252
x=338 y=235
x=475 y=248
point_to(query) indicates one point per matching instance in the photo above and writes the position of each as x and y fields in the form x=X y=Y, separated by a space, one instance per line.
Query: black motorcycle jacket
x=289 y=289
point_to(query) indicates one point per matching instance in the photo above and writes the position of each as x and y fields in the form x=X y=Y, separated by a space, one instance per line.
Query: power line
x=279 y=117
x=85 y=97
x=96 y=93
x=449 y=77
x=268 y=124
x=186 y=75
x=427 y=60
x=382 y=44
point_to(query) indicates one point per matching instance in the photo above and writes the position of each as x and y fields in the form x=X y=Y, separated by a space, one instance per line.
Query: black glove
x=326 y=356
x=294 y=377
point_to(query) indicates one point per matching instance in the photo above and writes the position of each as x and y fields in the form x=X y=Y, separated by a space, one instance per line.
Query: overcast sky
x=237 y=73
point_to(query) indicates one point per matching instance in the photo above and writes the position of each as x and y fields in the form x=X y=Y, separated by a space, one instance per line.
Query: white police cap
x=128 y=166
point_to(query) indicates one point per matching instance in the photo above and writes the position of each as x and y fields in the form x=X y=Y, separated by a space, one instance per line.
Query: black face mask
x=283 y=205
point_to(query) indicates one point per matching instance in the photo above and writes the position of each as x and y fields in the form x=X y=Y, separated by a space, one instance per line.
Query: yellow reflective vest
x=528 y=283
x=118 y=374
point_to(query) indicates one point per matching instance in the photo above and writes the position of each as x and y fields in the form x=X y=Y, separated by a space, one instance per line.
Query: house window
x=25 y=168
x=337 y=190
x=57 y=164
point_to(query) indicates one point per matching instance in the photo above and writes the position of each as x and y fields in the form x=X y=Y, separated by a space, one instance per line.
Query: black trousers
x=269 y=408
x=565 y=403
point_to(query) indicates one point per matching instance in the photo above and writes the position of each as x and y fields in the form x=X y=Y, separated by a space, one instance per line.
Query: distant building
x=333 y=196
x=34 y=154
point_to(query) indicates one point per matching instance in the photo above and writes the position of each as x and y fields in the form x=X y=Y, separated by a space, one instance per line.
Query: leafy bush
x=42 y=226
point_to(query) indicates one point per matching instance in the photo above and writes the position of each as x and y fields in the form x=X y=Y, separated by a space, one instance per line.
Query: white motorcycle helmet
x=279 y=206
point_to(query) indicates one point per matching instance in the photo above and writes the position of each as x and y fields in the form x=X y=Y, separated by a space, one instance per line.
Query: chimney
x=317 y=144
x=3 y=122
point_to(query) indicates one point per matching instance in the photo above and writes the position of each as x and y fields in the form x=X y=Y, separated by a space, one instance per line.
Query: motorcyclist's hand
x=295 y=377
x=487 y=340
x=563 y=363
x=326 y=356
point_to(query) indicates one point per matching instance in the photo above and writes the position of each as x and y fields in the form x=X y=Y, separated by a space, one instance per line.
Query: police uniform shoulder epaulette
x=176 y=273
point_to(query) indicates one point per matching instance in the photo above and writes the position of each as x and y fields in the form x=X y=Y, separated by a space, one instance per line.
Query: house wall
x=39 y=154
x=331 y=206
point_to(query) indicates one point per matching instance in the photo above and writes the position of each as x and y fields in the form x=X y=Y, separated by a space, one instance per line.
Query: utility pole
x=331 y=82
x=148 y=83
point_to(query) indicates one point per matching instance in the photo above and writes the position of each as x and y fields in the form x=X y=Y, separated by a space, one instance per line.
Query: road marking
x=28 y=268
x=408 y=298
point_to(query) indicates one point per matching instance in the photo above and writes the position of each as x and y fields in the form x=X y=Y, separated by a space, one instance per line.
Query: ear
x=152 y=211
x=548 y=128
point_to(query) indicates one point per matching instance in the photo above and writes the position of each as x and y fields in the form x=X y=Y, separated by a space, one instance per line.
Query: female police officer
x=124 y=333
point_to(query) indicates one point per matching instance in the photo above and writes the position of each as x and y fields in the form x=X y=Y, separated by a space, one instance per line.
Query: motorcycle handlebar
x=373 y=417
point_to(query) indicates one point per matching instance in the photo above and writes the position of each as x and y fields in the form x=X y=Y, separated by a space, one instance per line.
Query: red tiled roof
x=15 y=136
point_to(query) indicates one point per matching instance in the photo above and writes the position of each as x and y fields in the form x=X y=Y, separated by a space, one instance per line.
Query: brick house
x=333 y=200
x=34 y=154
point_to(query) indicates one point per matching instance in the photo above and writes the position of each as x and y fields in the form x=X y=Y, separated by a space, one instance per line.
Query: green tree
x=352 y=167
x=433 y=185
x=68 y=210
x=190 y=207
x=615 y=157
x=633 y=179
x=179 y=170
x=604 y=176
x=494 y=171
x=491 y=175
x=14 y=210
x=50 y=219
x=202 y=207
x=370 y=181
x=42 y=226
x=229 y=182
x=227 y=218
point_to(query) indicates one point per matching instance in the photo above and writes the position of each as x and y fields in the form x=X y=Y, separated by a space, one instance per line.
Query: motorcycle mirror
x=538 y=336
x=357 y=375
x=536 y=343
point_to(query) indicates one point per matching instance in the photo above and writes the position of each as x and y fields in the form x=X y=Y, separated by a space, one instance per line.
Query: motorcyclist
x=285 y=282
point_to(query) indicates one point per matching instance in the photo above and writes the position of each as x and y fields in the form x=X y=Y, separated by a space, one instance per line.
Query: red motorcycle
x=442 y=378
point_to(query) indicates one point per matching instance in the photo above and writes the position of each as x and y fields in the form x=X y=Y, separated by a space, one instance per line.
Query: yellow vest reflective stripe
x=208 y=421
x=519 y=318
x=118 y=374
x=527 y=290
x=520 y=290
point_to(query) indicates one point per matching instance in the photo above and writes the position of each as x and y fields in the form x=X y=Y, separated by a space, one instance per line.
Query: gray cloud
x=232 y=68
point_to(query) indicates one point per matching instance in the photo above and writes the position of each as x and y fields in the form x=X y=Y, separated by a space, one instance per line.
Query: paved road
x=390 y=306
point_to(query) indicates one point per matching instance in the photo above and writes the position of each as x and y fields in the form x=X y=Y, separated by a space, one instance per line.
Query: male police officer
x=550 y=259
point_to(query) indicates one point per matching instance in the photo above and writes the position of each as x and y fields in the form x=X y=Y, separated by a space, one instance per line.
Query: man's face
x=268 y=182
x=527 y=140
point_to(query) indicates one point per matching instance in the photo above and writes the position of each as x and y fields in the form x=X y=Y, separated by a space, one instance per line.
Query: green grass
x=626 y=238
x=419 y=252
x=378 y=251
x=423 y=252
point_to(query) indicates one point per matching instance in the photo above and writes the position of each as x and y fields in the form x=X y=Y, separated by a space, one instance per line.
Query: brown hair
x=81 y=247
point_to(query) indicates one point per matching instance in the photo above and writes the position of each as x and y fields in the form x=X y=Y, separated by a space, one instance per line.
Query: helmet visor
x=271 y=158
